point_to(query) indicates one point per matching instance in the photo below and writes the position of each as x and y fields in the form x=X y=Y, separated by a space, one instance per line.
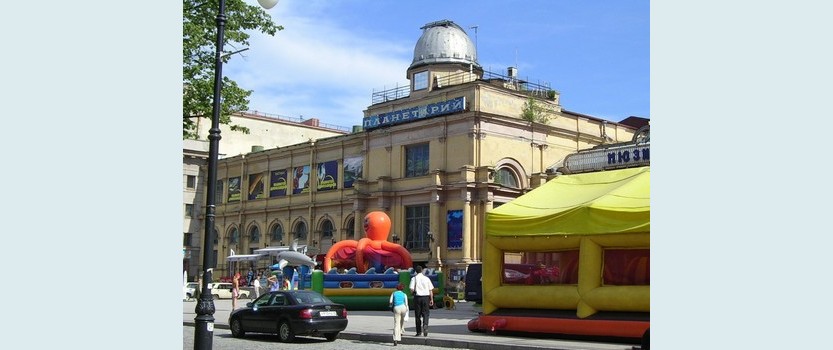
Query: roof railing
x=540 y=90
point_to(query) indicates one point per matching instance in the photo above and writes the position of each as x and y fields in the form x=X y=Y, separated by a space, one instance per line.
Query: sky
x=332 y=55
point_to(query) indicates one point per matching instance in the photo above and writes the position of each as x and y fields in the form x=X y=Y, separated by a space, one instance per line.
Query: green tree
x=534 y=111
x=199 y=36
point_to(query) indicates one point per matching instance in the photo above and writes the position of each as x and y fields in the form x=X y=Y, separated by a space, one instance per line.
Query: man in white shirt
x=256 y=285
x=423 y=291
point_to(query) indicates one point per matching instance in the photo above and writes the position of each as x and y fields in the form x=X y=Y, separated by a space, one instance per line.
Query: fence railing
x=540 y=90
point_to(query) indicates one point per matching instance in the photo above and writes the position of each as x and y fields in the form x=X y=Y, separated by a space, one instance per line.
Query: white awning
x=245 y=257
x=276 y=250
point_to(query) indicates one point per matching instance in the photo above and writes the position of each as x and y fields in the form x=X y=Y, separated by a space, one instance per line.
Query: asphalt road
x=223 y=340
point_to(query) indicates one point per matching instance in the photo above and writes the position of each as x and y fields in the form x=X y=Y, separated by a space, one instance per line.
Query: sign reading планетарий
x=415 y=113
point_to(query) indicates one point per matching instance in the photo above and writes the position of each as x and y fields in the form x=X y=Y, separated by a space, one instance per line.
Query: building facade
x=264 y=131
x=435 y=156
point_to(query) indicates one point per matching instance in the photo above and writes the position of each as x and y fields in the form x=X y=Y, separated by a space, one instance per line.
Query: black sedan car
x=289 y=313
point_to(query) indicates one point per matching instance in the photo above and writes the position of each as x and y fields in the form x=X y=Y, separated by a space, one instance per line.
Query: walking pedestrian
x=256 y=285
x=423 y=291
x=235 y=289
x=399 y=305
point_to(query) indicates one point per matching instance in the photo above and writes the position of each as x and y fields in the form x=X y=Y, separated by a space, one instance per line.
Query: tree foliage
x=534 y=111
x=199 y=29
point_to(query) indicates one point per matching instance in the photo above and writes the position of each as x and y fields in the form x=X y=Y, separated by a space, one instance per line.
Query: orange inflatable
x=372 y=251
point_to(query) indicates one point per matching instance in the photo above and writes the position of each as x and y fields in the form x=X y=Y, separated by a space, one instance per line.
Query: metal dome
x=444 y=42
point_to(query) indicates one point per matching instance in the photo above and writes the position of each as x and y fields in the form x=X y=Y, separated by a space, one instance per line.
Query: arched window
x=277 y=233
x=506 y=177
x=233 y=236
x=216 y=235
x=301 y=231
x=254 y=235
x=351 y=228
x=326 y=230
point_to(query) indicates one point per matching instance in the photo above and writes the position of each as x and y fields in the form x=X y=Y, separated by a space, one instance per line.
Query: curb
x=412 y=340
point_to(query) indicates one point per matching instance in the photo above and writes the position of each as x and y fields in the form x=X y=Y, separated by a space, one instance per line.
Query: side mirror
x=253 y=307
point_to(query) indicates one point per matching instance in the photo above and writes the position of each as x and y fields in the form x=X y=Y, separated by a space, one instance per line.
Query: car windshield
x=310 y=298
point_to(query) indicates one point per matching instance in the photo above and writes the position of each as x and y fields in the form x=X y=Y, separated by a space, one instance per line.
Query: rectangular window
x=416 y=160
x=417 y=223
x=421 y=81
x=557 y=267
x=627 y=267
x=218 y=192
x=189 y=210
x=191 y=181
x=186 y=239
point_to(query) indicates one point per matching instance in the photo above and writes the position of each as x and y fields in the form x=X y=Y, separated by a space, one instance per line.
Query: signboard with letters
x=415 y=113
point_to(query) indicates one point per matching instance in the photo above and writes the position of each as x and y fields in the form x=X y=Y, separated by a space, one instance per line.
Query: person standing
x=286 y=284
x=256 y=286
x=423 y=291
x=235 y=289
x=250 y=276
x=274 y=286
x=399 y=304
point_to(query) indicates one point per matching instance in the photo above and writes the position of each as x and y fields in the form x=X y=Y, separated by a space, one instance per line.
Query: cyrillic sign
x=614 y=157
x=415 y=113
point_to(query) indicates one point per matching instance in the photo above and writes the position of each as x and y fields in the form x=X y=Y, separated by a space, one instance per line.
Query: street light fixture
x=204 y=321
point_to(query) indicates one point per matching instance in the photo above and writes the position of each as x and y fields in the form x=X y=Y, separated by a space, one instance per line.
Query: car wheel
x=285 y=333
x=188 y=295
x=215 y=296
x=331 y=336
x=237 y=328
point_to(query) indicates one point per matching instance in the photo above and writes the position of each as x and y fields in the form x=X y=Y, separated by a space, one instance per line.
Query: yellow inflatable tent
x=588 y=213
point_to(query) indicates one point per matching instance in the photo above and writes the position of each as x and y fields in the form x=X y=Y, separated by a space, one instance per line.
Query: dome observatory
x=444 y=42
x=443 y=49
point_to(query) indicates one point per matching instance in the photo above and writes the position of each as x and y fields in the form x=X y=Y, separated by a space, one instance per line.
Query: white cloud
x=317 y=69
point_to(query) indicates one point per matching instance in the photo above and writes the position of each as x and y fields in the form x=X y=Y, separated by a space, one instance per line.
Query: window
x=417 y=222
x=189 y=210
x=218 y=195
x=301 y=231
x=421 y=81
x=216 y=236
x=506 y=177
x=254 y=235
x=191 y=181
x=186 y=239
x=233 y=236
x=416 y=160
x=557 y=267
x=351 y=228
x=627 y=267
x=326 y=230
x=277 y=233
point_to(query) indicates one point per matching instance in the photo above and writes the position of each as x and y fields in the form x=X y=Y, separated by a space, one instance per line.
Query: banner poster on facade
x=277 y=183
x=300 y=180
x=234 y=189
x=256 y=186
x=218 y=192
x=352 y=170
x=454 y=222
x=327 y=176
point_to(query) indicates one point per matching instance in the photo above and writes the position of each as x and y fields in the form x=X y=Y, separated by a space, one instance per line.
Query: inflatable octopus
x=372 y=251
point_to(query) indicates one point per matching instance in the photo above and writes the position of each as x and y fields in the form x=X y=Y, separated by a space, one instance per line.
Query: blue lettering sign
x=426 y=111
x=624 y=157
x=611 y=158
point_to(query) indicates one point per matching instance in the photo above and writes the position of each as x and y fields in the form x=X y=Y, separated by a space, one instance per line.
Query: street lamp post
x=204 y=322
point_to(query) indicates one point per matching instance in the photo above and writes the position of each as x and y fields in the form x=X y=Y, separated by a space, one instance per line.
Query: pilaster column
x=467 y=226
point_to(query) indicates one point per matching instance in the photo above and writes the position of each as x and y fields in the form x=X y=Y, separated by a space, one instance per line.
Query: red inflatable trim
x=601 y=328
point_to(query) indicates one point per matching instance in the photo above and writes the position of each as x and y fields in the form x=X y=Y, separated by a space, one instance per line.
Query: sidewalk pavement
x=448 y=328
